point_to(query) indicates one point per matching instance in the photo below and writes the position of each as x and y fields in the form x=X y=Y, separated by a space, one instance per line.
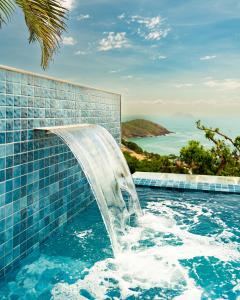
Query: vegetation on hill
x=142 y=128
x=222 y=159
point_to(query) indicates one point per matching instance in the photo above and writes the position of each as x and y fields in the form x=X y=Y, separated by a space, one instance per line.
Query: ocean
x=184 y=129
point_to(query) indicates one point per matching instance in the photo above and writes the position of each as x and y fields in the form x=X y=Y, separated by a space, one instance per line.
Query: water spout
x=107 y=172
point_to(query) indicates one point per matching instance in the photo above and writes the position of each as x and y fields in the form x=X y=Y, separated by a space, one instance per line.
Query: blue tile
x=2 y=137
x=2 y=75
x=2 y=99
x=9 y=88
x=2 y=87
x=29 y=162
x=9 y=100
x=2 y=112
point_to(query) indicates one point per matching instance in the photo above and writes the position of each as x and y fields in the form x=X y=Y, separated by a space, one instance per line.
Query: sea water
x=184 y=129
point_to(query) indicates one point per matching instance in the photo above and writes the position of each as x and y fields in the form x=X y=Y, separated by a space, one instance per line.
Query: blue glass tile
x=17 y=101
x=17 y=136
x=24 y=112
x=13 y=76
x=2 y=125
x=8 y=197
x=17 y=89
x=2 y=137
x=24 y=101
x=9 y=124
x=9 y=112
x=2 y=188
x=2 y=75
x=17 y=112
x=9 y=100
x=9 y=88
x=26 y=156
x=8 y=174
x=9 y=149
x=2 y=162
x=2 y=175
x=2 y=112
x=2 y=99
x=2 y=87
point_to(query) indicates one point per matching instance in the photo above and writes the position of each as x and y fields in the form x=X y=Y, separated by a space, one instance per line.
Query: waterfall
x=108 y=175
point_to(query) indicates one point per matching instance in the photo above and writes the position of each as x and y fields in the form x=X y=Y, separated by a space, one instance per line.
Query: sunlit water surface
x=184 y=129
x=185 y=247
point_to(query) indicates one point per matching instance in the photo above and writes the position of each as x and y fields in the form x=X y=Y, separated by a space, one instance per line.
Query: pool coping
x=47 y=77
x=188 y=182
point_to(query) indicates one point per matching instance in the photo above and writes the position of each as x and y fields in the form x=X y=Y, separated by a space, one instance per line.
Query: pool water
x=186 y=246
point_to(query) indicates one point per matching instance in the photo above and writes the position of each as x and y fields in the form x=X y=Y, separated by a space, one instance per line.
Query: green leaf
x=6 y=9
x=45 y=20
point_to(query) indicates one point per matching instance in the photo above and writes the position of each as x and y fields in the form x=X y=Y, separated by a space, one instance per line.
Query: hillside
x=142 y=128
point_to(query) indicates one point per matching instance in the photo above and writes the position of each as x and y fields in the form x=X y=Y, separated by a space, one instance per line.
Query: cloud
x=83 y=17
x=115 y=71
x=153 y=102
x=113 y=41
x=67 y=3
x=122 y=16
x=128 y=77
x=80 y=52
x=69 y=41
x=158 y=102
x=224 y=85
x=183 y=85
x=159 y=57
x=208 y=57
x=152 y=29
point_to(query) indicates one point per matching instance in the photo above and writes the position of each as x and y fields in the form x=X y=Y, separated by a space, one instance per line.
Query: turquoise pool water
x=186 y=246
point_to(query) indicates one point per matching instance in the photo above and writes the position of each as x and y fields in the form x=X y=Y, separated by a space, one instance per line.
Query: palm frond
x=6 y=10
x=45 y=20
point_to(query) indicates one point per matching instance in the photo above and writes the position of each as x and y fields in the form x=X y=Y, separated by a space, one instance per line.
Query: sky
x=165 y=57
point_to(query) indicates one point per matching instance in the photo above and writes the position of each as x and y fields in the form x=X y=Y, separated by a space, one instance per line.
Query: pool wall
x=41 y=183
x=188 y=182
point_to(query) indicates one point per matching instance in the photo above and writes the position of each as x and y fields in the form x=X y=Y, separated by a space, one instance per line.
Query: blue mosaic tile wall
x=41 y=183
x=185 y=185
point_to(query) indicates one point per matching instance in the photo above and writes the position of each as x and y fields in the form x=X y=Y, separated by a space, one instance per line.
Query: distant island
x=142 y=128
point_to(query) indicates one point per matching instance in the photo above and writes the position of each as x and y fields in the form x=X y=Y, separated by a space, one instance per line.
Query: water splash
x=108 y=174
x=154 y=263
x=167 y=259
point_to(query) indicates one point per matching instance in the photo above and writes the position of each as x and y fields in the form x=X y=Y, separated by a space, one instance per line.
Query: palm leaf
x=45 y=20
x=6 y=10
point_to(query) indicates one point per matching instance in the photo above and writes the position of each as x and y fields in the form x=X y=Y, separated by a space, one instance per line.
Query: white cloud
x=150 y=23
x=67 y=3
x=128 y=77
x=83 y=17
x=115 y=71
x=159 y=57
x=122 y=16
x=159 y=101
x=183 y=85
x=225 y=84
x=80 y=52
x=113 y=41
x=208 y=57
x=69 y=41
x=151 y=28
x=154 y=102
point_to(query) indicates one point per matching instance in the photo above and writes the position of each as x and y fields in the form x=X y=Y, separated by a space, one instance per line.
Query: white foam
x=83 y=234
x=143 y=267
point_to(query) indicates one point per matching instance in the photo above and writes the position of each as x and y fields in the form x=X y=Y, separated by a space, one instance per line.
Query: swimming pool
x=186 y=246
